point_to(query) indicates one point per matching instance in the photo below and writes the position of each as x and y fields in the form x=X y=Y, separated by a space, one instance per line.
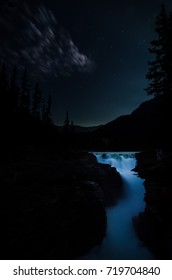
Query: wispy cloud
x=36 y=40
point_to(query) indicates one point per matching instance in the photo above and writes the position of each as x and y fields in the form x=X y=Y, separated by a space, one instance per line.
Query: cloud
x=36 y=40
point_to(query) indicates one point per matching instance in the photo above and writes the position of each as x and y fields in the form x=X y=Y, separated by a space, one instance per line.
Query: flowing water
x=121 y=241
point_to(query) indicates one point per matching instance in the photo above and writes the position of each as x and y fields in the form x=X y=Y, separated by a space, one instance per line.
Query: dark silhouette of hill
x=85 y=129
x=81 y=129
x=141 y=129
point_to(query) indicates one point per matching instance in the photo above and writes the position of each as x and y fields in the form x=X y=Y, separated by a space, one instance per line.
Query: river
x=121 y=241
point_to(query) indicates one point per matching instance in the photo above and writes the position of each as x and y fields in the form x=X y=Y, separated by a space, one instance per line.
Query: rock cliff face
x=154 y=225
x=56 y=203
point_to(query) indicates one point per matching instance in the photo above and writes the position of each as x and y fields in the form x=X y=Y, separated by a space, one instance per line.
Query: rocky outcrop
x=154 y=225
x=56 y=203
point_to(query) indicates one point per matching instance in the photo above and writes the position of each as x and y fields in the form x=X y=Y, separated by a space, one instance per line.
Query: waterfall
x=121 y=241
x=124 y=162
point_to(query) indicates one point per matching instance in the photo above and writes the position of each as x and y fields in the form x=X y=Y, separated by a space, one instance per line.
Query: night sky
x=91 y=56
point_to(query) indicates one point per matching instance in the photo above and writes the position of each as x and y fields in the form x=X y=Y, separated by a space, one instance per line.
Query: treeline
x=25 y=117
x=17 y=95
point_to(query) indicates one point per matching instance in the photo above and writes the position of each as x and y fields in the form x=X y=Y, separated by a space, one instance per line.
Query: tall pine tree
x=3 y=90
x=66 y=121
x=13 y=93
x=46 y=114
x=36 y=101
x=157 y=74
x=169 y=56
x=25 y=93
x=160 y=75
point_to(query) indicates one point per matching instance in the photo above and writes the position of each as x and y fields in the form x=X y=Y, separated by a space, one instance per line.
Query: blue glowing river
x=121 y=241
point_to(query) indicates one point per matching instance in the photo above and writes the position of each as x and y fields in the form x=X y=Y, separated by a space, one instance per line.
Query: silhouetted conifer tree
x=160 y=68
x=46 y=114
x=13 y=92
x=66 y=133
x=25 y=93
x=36 y=101
x=160 y=74
x=43 y=111
x=66 y=121
x=169 y=55
x=72 y=126
x=3 y=89
x=48 y=111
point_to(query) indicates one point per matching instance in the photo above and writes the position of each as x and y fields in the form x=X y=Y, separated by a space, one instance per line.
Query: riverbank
x=154 y=225
x=56 y=202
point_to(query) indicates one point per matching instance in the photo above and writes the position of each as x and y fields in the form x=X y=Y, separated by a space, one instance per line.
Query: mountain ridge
x=140 y=129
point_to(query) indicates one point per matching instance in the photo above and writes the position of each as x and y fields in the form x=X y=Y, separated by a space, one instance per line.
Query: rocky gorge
x=56 y=202
x=154 y=225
